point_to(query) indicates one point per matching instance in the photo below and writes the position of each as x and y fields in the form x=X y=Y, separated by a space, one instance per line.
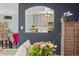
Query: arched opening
x=39 y=19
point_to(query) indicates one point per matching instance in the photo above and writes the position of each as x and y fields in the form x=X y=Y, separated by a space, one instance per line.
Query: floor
x=8 y=52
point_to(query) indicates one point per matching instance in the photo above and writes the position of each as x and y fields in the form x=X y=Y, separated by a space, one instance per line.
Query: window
x=39 y=19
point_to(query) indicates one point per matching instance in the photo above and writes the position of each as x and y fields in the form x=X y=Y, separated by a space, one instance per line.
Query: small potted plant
x=42 y=49
x=63 y=18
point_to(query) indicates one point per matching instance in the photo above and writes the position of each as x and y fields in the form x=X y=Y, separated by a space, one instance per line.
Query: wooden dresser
x=70 y=38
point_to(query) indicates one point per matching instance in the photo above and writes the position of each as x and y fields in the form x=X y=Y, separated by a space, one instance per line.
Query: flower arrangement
x=42 y=49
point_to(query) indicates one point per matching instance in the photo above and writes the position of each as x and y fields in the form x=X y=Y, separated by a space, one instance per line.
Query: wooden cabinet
x=70 y=38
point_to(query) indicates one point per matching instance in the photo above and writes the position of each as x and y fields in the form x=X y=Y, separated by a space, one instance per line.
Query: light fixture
x=47 y=15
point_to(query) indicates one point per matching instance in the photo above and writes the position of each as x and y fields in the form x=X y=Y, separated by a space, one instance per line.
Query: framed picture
x=7 y=17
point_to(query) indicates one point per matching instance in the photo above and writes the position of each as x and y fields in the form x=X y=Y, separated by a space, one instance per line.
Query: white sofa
x=21 y=51
x=8 y=52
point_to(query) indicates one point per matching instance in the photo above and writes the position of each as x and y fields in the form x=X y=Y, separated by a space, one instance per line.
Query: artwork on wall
x=7 y=17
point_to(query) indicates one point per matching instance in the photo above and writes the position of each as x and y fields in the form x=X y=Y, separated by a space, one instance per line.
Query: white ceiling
x=8 y=8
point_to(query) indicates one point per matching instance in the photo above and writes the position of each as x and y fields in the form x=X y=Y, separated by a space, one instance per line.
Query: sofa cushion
x=23 y=49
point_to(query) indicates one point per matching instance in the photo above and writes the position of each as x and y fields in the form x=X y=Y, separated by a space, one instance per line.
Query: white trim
x=62 y=38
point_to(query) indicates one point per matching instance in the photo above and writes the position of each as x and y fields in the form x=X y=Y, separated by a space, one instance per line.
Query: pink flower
x=16 y=38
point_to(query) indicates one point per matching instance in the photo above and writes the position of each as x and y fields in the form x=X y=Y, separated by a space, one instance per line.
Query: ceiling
x=8 y=8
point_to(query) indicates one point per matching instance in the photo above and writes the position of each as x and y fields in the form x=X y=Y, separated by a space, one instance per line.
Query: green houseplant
x=42 y=49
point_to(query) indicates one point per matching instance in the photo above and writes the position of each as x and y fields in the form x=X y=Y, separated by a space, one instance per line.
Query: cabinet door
x=77 y=41
x=69 y=39
x=75 y=37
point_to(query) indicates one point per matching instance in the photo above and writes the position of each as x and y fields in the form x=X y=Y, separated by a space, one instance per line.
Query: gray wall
x=33 y=37
x=54 y=36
